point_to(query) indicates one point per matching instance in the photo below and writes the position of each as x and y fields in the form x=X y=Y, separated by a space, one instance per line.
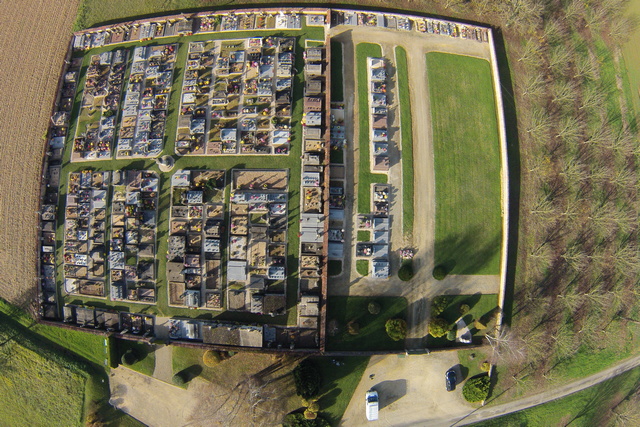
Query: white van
x=371 y=402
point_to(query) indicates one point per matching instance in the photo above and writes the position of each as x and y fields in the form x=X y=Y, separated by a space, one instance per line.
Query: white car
x=371 y=403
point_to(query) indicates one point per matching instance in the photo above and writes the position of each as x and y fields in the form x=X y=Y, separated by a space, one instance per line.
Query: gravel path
x=152 y=401
x=164 y=363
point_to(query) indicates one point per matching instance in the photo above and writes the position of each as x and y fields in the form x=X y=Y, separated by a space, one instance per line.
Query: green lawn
x=88 y=346
x=372 y=335
x=336 y=156
x=338 y=384
x=337 y=87
x=147 y=359
x=481 y=307
x=467 y=164
x=364 y=236
x=365 y=177
x=470 y=361
x=335 y=267
x=632 y=57
x=590 y=407
x=290 y=162
x=191 y=360
x=362 y=267
x=406 y=129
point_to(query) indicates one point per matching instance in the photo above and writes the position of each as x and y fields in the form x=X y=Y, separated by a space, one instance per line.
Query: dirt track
x=34 y=37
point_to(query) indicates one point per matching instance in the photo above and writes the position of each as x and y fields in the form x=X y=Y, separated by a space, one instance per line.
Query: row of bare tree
x=578 y=255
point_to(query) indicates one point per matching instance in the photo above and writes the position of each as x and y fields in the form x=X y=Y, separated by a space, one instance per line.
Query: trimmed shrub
x=298 y=420
x=129 y=357
x=439 y=272
x=308 y=415
x=373 y=308
x=211 y=358
x=486 y=366
x=476 y=389
x=479 y=325
x=396 y=329
x=179 y=379
x=314 y=407
x=439 y=304
x=353 y=328
x=451 y=335
x=405 y=273
x=307 y=378
x=438 y=327
x=464 y=309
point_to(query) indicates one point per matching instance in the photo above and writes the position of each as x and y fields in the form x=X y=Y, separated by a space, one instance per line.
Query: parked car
x=371 y=403
x=450 y=379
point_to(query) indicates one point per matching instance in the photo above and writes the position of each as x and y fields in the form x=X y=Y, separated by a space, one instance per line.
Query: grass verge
x=467 y=164
x=372 y=334
x=145 y=353
x=339 y=381
x=601 y=404
x=406 y=130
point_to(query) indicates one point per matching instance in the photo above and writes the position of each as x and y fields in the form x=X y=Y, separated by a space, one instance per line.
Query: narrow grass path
x=406 y=130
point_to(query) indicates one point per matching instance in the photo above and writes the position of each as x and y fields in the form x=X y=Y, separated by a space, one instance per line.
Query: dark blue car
x=451 y=378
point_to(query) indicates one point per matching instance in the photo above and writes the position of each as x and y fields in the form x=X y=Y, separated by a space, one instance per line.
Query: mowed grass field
x=37 y=391
x=467 y=164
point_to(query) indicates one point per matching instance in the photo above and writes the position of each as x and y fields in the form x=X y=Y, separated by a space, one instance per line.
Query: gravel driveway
x=411 y=390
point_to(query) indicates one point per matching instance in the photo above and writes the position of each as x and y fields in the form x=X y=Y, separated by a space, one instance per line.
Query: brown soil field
x=34 y=41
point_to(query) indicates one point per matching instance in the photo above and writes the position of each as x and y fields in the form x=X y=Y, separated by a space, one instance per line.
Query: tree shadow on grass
x=465 y=254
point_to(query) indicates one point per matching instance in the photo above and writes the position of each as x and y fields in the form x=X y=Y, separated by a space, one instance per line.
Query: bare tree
x=561 y=56
x=623 y=178
x=574 y=11
x=531 y=54
x=563 y=92
x=621 y=28
x=552 y=32
x=626 y=260
x=566 y=342
x=585 y=69
x=571 y=300
x=575 y=257
x=592 y=97
x=574 y=171
x=534 y=86
x=506 y=346
x=627 y=412
x=539 y=123
x=623 y=143
x=568 y=128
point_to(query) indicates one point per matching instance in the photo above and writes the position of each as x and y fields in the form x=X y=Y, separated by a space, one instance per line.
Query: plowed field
x=34 y=37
